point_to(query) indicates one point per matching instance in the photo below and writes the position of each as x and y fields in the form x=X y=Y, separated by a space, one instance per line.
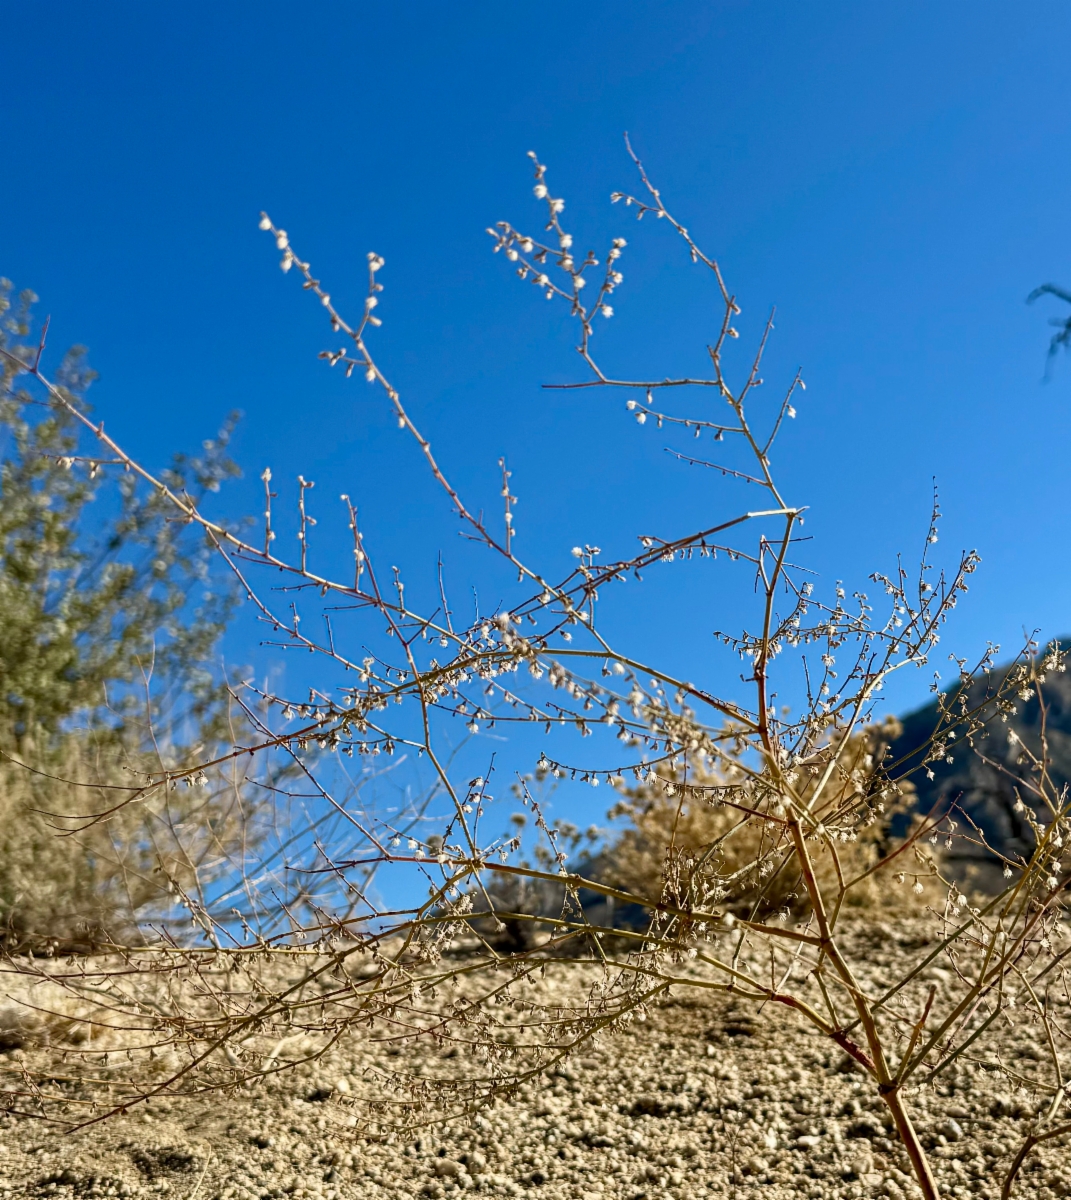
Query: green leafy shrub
x=110 y=619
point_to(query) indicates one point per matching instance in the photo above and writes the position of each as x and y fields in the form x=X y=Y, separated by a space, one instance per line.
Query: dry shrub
x=70 y=882
x=743 y=802
x=682 y=829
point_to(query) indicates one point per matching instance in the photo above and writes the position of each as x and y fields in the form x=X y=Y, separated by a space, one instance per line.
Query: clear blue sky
x=895 y=178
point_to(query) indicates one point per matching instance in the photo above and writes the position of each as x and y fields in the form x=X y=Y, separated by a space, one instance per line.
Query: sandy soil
x=707 y=1098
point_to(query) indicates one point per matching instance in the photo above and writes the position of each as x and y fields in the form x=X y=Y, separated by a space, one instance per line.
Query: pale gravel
x=705 y=1099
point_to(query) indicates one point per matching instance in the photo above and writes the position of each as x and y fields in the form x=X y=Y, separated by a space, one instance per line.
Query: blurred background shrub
x=110 y=618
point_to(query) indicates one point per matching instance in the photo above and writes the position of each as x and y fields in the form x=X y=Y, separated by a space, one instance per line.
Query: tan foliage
x=686 y=836
x=71 y=882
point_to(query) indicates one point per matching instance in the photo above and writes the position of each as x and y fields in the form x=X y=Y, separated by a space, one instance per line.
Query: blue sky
x=895 y=179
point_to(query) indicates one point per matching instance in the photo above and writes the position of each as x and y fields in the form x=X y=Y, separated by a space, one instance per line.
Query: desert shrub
x=74 y=881
x=690 y=828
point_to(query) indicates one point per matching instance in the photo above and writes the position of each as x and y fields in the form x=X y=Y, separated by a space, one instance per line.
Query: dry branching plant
x=756 y=828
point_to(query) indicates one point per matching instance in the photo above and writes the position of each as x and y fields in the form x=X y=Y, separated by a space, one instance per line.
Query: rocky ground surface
x=707 y=1098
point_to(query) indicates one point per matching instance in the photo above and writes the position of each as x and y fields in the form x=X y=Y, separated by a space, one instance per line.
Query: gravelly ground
x=703 y=1100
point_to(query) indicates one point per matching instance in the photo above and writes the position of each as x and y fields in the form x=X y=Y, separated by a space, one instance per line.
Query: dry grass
x=70 y=882
x=681 y=827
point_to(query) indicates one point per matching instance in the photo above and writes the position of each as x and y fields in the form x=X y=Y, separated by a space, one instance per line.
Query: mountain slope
x=988 y=781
